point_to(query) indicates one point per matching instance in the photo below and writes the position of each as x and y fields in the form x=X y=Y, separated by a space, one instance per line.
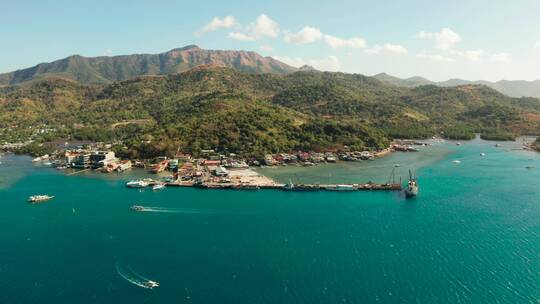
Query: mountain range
x=107 y=69
x=512 y=88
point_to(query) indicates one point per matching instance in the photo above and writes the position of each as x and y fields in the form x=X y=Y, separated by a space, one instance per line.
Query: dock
x=284 y=187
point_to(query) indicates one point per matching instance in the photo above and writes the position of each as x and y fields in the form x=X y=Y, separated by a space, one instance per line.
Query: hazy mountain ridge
x=104 y=69
x=512 y=88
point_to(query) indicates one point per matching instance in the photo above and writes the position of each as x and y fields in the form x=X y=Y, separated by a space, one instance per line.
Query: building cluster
x=312 y=158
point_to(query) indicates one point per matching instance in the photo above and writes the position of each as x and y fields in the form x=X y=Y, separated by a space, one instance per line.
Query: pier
x=285 y=187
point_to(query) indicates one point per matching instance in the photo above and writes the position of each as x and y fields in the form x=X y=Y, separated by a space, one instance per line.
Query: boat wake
x=134 y=278
x=170 y=210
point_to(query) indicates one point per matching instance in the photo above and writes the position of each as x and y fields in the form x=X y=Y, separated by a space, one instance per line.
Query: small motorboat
x=136 y=208
x=456 y=161
x=157 y=187
x=151 y=284
x=482 y=154
x=34 y=199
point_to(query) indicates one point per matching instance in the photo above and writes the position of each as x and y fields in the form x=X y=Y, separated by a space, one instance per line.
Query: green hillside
x=224 y=109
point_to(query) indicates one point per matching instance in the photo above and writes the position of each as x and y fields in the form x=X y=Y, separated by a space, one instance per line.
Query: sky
x=439 y=40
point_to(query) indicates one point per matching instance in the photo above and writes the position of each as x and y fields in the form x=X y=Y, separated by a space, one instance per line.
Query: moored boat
x=137 y=184
x=412 y=186
x=158 y=187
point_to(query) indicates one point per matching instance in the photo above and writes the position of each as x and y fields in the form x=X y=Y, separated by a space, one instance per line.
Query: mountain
x=252 y=114
x=408 y=82
x=104 y=70
x=512 y=88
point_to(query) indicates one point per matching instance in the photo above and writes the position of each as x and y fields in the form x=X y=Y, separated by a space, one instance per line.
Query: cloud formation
x=306 y=35
x=312 y=34
x=262 y=27
x=434 y=57
x=218 y=23
x=387 y=48
x=354 y=43
x=444 y=39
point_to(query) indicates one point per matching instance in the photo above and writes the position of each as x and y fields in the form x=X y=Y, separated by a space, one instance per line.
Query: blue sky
x=479 y=39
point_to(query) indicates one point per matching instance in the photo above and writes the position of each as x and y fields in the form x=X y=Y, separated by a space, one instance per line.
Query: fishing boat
x=412 y=186
x=34 y=199
x=482 y=154
x=456 y=161
x=137 y=184
x=157 y=187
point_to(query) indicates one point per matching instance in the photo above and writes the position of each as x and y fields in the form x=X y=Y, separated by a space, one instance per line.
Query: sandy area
x=250 y=176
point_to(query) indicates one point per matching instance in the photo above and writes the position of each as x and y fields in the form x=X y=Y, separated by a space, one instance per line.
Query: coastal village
x=216 y=170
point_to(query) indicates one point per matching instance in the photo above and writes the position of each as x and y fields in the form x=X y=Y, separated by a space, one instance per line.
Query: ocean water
x=471 y=236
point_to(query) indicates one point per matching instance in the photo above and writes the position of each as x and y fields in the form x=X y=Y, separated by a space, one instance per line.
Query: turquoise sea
x=471 y=236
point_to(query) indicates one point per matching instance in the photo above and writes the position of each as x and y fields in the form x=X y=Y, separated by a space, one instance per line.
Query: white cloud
x=218 y=23
x=473 y=55
x=537 y=45
x=108 y=52
x=481 y=56
x=500 y=57
x=354 y=43
x=307 y=35
x=261 y=28
x=434 y=57
x=240 y=36
x=330 y=63
x=387 y=48
x=265 y=27
x=266 y=48
x=444 y=39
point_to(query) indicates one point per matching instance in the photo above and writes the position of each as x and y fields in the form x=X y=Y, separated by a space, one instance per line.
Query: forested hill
x=107 y=69
x=224 y=109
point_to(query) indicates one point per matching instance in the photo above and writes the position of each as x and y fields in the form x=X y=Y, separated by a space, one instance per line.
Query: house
x=221 y=171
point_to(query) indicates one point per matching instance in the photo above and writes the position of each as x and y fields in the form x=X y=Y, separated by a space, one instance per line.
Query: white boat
x=341 y=188
x=151 y=284
x=136 y=208
x=158 y=187
x=39 y=198
x=456 y=161
x=137 y=184
x=482 y=154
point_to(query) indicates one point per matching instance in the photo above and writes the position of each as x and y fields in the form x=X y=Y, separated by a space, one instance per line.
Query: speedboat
x=151 y=284
x=482 y=154
x=137 y=184
x=136 y=208
x=456 y=161
x=39 y=198
x=158 y=187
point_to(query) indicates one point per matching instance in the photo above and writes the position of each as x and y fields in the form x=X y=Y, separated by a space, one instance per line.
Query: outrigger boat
x=412 y=186
x=34 y=199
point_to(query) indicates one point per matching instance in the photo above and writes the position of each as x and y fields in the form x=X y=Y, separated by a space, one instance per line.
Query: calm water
x=472 y=236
